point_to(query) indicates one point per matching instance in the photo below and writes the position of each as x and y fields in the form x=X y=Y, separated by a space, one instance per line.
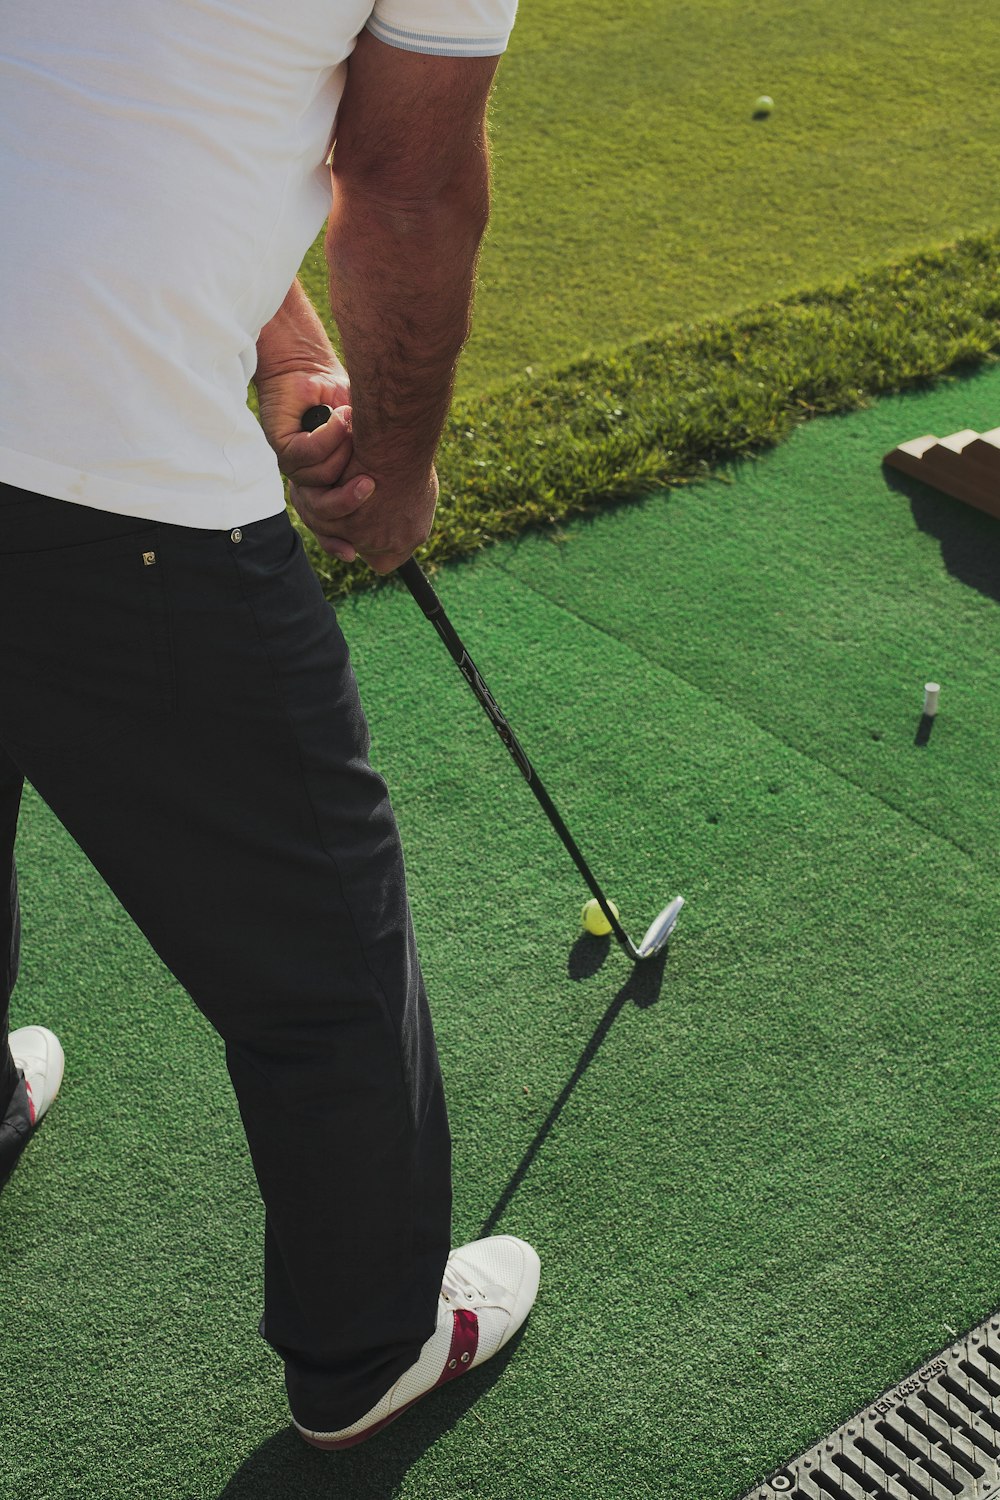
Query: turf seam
x=723 y=703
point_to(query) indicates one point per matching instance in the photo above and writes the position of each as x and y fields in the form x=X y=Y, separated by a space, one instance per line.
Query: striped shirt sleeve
x=445 y=28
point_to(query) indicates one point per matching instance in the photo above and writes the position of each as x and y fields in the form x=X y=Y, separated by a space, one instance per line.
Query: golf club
x=412 y=575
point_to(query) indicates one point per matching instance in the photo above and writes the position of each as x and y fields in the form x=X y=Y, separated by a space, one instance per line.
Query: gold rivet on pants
x=149 y=558
x=236 y=536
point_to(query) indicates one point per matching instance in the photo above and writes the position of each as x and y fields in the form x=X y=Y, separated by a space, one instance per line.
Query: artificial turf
x=762 y=1177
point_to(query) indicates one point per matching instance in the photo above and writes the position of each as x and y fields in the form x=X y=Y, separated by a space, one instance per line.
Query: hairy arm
x=411 y=201
x=295 y=339
x=410 y=207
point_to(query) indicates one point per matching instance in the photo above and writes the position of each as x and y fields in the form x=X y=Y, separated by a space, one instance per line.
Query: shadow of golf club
x=642 y=989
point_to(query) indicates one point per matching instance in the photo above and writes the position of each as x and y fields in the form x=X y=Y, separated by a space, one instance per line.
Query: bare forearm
x=401 y=289
x=294 y=339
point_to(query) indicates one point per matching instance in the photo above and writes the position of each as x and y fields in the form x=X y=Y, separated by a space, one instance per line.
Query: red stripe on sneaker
x=464 y=1343
x=31 y=1101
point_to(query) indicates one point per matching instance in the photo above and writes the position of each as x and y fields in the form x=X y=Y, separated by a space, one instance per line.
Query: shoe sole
x=330 y=1444
x=527 y=1292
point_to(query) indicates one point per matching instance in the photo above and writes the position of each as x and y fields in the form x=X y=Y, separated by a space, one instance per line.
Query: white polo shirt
x=163 y=171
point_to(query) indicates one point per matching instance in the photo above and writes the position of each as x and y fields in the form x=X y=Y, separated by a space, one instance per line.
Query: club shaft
x=418 y=585
x=413 y=576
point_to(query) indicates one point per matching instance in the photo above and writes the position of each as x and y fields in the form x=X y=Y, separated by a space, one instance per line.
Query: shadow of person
x=969 y=538
x=285 y=1467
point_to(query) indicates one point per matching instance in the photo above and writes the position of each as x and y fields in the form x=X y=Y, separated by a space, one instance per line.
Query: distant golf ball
x=764 y=105
x=594 y=919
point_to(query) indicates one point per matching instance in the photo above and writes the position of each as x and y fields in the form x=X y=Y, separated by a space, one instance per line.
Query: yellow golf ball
x=594 y=919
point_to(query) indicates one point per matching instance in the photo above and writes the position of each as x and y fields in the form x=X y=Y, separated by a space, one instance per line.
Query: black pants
x=183 y=701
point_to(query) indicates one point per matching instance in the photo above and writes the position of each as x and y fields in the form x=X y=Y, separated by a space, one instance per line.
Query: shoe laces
x=456 y=1287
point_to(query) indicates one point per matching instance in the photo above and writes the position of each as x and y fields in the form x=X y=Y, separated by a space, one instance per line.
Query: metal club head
x=656 y=937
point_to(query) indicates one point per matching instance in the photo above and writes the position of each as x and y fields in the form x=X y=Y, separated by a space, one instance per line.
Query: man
x=172 y=681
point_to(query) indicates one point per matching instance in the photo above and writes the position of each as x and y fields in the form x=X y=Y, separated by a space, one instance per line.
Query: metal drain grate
x=935 y=1436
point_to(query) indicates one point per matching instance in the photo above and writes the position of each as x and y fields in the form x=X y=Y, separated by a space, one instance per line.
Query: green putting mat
x=762 y=1178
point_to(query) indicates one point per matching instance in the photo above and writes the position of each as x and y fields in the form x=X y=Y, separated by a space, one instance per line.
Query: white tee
x=163 y=171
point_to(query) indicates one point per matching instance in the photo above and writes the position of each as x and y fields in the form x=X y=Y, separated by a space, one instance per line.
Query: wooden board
x=965 y=465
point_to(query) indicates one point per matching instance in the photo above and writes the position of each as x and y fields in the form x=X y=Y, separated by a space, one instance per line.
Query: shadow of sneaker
x=286 y=1468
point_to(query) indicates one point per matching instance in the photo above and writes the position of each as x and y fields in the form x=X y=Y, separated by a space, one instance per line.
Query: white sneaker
x=39 y=1055
x=487 y=1292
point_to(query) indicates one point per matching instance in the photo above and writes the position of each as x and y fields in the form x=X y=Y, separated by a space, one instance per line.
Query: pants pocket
x=85 y=641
